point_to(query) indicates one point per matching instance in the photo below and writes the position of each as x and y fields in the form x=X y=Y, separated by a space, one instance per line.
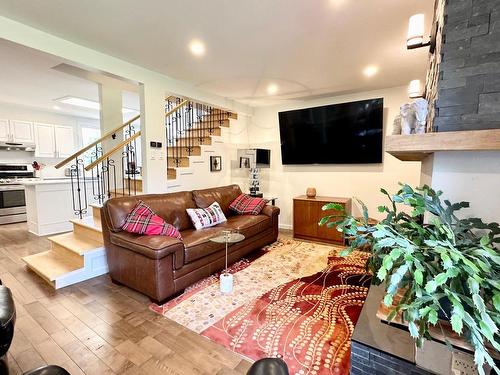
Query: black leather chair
x=268 y=366
x=7 y=323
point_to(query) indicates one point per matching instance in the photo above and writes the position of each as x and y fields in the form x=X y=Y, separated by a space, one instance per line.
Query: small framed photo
x=215 y=163
x=244 y=162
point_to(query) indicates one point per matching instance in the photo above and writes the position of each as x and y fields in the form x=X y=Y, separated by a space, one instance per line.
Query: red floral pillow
x=247 y=205
x=143 y=220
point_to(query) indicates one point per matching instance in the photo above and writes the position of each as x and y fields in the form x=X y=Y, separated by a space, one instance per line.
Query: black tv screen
x=347 y=133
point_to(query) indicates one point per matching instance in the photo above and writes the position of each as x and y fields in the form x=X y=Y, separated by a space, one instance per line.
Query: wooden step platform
x=194 y=141
x=182 y=162
x=171 y=174
x=215 y=132
x=88 y=227
x=96 y=210
x=182 y=151
x=50 y=265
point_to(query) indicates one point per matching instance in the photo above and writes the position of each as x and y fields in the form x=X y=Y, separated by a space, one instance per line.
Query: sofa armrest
x=153 y=247
x=270 y=211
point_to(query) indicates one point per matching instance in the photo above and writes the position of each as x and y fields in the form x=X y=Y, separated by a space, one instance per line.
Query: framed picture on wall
x=215 y=163
x=244 y=162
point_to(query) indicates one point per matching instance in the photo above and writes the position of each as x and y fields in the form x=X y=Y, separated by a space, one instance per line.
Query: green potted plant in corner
x=448 y=268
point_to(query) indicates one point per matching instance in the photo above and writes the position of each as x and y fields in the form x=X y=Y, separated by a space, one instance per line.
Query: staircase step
x=215 y=131
x=96 y=210
x=231 y=115
x=173 y=151
x=117 y=193
x=194 y=141
x=50 y=265
x=134 y=182
x=76 y=243
x=171 y=174
x=88 y=227
x=177 y=162
x=214 y=123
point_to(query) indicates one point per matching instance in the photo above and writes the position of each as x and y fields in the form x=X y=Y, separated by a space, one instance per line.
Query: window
x=89 y=135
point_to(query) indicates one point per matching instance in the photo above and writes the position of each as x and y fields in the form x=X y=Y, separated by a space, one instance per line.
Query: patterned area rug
x=294 y=300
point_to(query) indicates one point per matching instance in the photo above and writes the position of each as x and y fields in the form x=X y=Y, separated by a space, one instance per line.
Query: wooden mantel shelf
x=417 y=147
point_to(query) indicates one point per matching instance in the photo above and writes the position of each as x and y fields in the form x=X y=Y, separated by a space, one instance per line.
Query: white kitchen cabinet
x=4 y=130
x=15 y=131
x=22 y=131
x=54 y=141
x=65 y=141
x=45 y=141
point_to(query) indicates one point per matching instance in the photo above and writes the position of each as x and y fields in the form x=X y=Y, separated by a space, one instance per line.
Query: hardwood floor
x=96 y=327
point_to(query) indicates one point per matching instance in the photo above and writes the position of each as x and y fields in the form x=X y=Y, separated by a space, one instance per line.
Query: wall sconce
x=416 y=32
x=415 y=89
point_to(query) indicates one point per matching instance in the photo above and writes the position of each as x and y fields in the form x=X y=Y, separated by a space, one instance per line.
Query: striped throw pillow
x=206 y=217
x=142 y=220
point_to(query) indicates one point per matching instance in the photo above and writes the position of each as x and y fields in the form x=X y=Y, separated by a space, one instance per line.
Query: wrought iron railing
x=98 y=173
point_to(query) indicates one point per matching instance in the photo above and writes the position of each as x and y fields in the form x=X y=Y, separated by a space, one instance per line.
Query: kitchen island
x=49 y=205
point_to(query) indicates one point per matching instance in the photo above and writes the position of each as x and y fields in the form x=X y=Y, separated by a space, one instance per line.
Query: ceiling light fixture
x=272 y=88
x=415 y=89
x=86 y=103
x=416 y=27
x=197 y=47
x=56 y=107
x=370 y=71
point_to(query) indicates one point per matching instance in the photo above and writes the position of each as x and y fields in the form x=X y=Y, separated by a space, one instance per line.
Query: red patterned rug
x=294 y=300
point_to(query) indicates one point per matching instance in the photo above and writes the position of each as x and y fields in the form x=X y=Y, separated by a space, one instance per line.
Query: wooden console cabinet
x=307 y=213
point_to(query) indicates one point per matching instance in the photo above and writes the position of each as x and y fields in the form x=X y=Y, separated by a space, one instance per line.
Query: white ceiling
x=28 y=78
x=307 y=47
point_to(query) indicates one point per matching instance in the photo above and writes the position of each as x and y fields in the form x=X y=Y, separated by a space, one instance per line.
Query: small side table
x=272 y=200
x=227 y=237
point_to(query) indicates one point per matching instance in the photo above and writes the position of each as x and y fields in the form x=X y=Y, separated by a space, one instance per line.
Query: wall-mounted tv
x=346 y=133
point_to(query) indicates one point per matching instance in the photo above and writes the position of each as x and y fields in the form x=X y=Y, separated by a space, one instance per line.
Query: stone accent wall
x=469 y=83
x=369 y=361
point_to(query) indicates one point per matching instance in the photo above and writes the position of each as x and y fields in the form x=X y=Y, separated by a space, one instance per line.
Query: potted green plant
x=447 y=261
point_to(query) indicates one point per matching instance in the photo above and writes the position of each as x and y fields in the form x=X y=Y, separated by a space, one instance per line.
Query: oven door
x=12 y=200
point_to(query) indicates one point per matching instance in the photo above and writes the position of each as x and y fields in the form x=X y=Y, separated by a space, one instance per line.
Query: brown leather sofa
x=160 y=266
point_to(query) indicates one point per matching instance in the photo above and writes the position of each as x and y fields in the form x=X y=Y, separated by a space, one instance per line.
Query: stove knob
x=2 y=181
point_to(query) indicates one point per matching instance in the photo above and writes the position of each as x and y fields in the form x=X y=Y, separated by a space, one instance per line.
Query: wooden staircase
x=192 y=142
x=74 y=256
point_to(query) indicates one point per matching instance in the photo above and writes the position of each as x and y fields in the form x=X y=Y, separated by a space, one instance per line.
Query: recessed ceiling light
x=56 y=107
x=197 y=47
x=272 y=88
x=370 y=71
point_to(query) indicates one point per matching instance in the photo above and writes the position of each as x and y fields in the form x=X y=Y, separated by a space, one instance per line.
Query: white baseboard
x=285 y=226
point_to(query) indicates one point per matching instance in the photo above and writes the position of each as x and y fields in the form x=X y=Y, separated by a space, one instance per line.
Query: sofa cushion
x=153 y=247
x=197 y=242
x=247 y=205
x=143 y=220
x=170 y=207
x=223 y=195
x=206 y=217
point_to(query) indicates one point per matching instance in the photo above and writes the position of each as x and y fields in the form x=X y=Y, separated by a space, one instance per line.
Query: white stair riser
x=95 y=264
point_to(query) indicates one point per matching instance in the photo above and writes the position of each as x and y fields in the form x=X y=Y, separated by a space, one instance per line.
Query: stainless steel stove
x=12 y=199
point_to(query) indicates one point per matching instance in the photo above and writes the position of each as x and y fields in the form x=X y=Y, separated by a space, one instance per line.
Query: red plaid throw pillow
x=143 y=220
x=247 y=205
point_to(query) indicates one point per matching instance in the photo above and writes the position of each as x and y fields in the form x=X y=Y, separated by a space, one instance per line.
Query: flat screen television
x=346 y=133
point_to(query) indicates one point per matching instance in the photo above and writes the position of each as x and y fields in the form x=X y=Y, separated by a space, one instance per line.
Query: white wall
x=362 y=181
x=472 y=177
x=17 y=112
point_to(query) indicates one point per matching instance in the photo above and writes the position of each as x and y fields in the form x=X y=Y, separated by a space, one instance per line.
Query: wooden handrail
x=112 y=151
x=89 y=146
x=177 y=107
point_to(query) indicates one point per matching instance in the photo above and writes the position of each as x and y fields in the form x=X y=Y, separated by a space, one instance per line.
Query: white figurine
x=421 y=109
x=407 y=119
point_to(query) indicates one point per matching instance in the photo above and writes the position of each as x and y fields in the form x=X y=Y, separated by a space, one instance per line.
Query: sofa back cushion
x=224 y=195
x=170 y=207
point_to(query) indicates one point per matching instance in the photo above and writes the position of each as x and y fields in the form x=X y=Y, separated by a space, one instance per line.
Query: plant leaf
x=432 y=317
x=418 y=276
x=456 y=323
x=412 y=327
